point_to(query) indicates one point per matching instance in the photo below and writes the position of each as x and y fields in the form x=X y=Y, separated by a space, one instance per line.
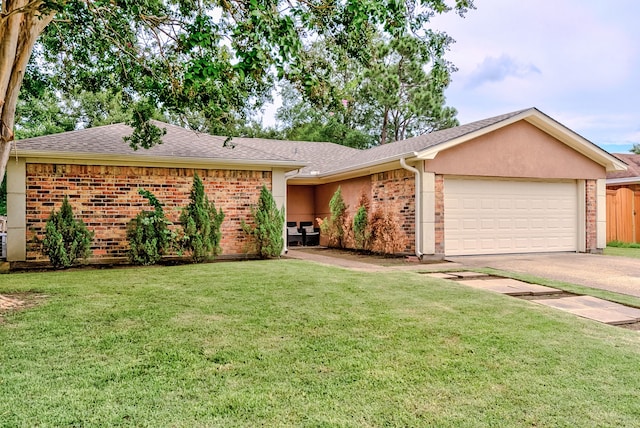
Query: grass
x=291 y=343
x=623 y=251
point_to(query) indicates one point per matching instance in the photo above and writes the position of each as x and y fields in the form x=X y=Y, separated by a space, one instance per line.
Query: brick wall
x=591 y=215
x=106 y=198
x=439 y=214
x=394 y=191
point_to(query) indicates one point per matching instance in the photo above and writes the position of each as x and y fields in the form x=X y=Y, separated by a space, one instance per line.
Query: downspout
x=285 y=250
x=418 y=205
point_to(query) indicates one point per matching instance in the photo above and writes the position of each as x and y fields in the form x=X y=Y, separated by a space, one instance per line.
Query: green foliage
x=336 y=227
x=201 y=224
x=361 y=231
x=148 y=233
x=268 y=225
x=66 y=239
x=219 y=59
x=620 y=244
x=635 y=149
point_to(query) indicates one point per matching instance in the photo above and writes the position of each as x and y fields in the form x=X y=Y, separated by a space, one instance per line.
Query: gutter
x=418 y=205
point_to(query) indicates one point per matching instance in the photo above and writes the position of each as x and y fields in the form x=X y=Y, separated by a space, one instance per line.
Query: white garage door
x=499 y=217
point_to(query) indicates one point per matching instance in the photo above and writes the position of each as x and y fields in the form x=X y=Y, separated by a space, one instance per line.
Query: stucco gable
x=519 y=149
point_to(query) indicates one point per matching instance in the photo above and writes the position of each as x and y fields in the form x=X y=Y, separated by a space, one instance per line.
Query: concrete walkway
x=617 y=274
x=583 y=306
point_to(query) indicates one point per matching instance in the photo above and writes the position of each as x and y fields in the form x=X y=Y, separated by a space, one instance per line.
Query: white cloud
x=498 y=69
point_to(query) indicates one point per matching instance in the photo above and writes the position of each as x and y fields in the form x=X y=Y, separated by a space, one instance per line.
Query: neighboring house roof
x=313 y=159
x=631 y=175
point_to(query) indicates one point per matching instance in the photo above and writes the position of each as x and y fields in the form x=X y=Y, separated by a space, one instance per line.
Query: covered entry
x=492 y=216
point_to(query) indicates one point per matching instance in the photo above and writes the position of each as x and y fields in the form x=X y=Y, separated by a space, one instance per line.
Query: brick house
x=519 y=182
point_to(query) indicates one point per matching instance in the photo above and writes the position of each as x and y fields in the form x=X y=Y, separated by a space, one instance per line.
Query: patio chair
x=311 y=234
x=294 y=235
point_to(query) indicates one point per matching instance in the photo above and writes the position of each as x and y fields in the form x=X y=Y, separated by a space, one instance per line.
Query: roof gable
x=313 y=159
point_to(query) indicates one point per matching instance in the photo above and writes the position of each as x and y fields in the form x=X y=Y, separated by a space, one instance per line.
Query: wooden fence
x=623 y=220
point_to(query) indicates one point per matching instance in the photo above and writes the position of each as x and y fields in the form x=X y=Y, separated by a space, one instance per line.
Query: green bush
x=268 y=226
x=621 y=244
x=336 y=228
x=3 y=196
x=361 y=232
x=66 y=239
x=201 y=224
x=148 y=233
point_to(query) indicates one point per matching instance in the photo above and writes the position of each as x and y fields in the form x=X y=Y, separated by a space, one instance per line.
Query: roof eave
x=360 y=169
x=625 y=180
x=173 y=161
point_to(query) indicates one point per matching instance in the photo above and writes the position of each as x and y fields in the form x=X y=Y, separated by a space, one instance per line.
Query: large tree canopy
x=219 y=58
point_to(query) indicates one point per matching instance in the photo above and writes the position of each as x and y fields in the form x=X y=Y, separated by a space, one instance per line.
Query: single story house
x=623 y=201
x=516 y=183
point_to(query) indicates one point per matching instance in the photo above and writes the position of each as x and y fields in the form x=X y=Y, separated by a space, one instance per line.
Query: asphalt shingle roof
x=325 y=158
x=633 y=162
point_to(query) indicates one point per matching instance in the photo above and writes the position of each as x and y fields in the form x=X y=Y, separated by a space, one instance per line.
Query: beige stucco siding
x=518 y=150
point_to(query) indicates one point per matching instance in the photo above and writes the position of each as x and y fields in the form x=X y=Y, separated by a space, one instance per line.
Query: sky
x=577 y=61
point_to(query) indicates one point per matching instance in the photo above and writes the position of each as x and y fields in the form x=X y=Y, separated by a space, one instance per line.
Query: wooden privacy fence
x=623 y=221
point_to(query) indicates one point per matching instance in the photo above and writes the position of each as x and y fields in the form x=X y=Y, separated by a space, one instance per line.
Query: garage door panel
x=499 y=216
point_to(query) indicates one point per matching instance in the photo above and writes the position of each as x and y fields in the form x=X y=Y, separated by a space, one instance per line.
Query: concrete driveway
x=618 y=274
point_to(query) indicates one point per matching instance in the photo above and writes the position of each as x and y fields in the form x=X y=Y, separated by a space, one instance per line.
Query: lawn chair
x=311 y=234
x=294 y=235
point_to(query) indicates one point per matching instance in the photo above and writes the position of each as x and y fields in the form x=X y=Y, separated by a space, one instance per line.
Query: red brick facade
x=439 y=215
x=591 y=217
x=394 y=191
x=106 y=198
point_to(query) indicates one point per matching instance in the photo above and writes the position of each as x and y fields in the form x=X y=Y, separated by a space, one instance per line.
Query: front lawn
x=621 y=251
x=291 y=343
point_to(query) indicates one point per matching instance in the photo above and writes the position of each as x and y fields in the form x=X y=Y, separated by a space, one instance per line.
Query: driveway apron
x=617 y=274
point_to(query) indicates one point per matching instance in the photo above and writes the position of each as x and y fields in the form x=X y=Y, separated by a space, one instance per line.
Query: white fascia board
x=155 y=161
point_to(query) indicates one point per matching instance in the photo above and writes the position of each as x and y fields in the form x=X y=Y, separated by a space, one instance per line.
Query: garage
x=493 y=216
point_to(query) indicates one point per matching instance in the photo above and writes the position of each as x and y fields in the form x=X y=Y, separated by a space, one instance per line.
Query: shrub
x=66 y=239
x=361 y=232
x=268 y=226
x=386 y=236
x=336 y=227
x=201 y=224
x=148 y=233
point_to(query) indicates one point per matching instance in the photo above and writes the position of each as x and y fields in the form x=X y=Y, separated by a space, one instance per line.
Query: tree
x=398 y=93
x=268 y=223
x=148 y=233
x=219 y=58
x=407 y=99
x=66 y=239
x=201 y=224
x=635 y=149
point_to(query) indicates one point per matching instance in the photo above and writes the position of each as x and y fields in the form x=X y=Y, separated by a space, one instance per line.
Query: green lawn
x=624 y=252
x=290 y=343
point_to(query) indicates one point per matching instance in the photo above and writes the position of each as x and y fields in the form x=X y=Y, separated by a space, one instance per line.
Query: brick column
x=439 y=215
x=591 y=206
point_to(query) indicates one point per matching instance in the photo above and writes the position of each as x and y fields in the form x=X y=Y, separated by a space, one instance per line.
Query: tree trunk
x=385 y=126
x=20 y=26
